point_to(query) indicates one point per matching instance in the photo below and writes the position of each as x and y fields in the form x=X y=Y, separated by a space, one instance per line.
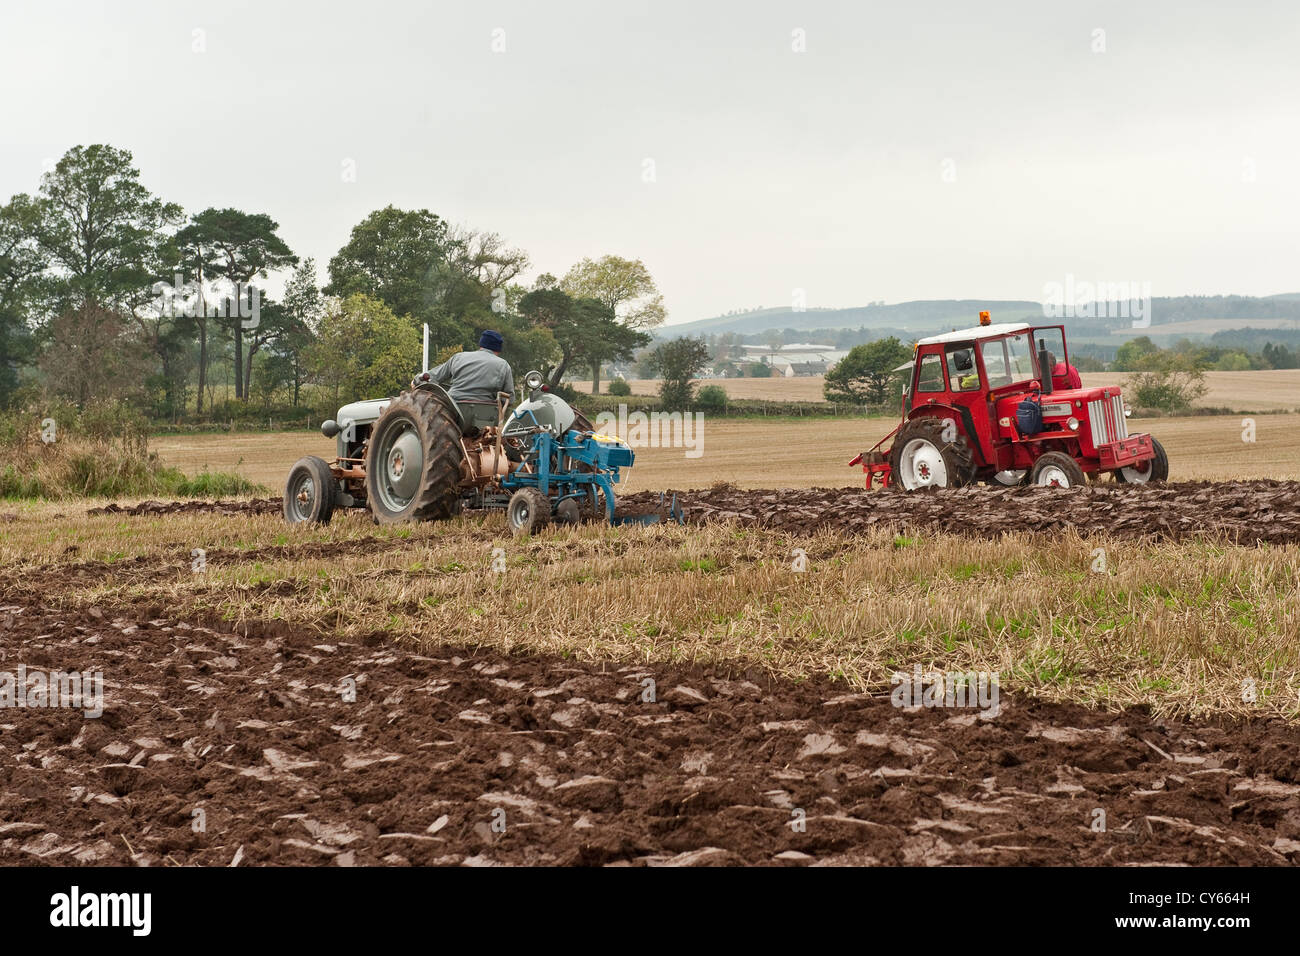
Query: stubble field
x=708 y=694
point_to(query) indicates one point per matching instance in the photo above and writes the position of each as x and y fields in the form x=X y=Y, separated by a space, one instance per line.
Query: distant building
x=800 y=358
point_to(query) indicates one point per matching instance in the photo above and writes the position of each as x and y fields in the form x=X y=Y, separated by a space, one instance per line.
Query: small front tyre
x=527 y=512
x=309 y=492
x=1153 y=469
x=1055 y=469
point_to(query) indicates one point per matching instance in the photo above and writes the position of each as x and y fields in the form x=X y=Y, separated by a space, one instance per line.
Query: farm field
x=1262 y=391
x=357 y=695
x=672 y=694
x=786 y=453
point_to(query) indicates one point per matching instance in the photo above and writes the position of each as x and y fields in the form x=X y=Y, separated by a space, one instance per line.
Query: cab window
x=962 y=372
x=1020 y=363
x=1053 y=341
x=929 y=378
x=995 y=363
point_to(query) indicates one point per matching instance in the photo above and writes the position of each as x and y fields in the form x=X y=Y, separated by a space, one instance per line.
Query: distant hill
x=927 y=315
x=921 y=315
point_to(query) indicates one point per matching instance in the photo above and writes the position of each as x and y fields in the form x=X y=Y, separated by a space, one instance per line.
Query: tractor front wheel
x=1010 y=478
x=413 y=461
x=528 y=511
x=1056 y=469
x=309 y=492
x=930 y=452
x=1153 y=469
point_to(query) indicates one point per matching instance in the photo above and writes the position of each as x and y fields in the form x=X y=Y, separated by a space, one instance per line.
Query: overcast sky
x=920 y=150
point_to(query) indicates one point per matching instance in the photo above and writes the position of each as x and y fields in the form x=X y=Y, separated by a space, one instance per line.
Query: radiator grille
x=1106 y=418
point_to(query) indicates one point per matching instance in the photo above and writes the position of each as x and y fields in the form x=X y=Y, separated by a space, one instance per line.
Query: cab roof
x=979 y=332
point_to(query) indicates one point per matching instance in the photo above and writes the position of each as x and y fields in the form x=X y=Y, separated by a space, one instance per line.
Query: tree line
x=110 y=293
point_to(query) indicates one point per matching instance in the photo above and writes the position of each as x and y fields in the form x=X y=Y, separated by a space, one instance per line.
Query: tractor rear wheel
x=924 y=456
x=413 y=461
x=309 y=492
x=1056 y=469
x=1154 y=469
x=528 y=511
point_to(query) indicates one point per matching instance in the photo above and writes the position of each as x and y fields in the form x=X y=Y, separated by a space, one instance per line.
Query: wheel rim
x=1053 y=476
x=1137 y=474
x=401 y=462
x=922 y=466
x=520 y=513
x=567 y=511
x=303 y=496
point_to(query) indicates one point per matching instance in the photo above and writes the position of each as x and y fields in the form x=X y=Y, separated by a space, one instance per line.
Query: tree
x=1129 y=356
x=552 y=310
x=85 y=361
x=1279 y=356
x=397 y=256
x=100 y=228
x=585 y=331
x=624 y=286
x=866 y=375
x=21 y=263
x=196 y=253
x=103 y=235
x=677 y=362
x=605 y=339
x=245 y=246
x=1166 y=381
x=166 y=326
x=713 y=397
x=304 y=306
x=483 y=258
x=364 y=350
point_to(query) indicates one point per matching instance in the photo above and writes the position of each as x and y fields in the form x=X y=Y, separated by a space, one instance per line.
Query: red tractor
x=971 y=412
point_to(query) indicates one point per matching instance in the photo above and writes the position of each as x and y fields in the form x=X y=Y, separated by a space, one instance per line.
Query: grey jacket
x=476 y=376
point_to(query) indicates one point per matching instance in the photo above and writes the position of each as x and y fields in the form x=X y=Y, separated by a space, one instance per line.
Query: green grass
x=80 y=473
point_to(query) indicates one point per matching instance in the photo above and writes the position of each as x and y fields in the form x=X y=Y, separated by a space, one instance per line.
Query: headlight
x=1127 y=410
x=1072 y=423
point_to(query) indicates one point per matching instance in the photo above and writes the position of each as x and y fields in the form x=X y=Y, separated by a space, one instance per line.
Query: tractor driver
x=474 y=378
x=1065 y=376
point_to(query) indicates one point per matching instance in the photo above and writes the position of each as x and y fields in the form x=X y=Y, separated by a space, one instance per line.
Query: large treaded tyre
x=921 y=458
x=413 y=461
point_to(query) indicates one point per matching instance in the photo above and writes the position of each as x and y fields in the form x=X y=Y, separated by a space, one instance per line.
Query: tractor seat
x=476 y=414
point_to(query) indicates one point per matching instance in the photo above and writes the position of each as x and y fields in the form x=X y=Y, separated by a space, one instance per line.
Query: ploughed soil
x=276 y=746
x=1242 y=511
x=1246 y=512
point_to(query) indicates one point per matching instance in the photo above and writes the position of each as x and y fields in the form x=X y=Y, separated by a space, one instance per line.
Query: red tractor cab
x=971 y=413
